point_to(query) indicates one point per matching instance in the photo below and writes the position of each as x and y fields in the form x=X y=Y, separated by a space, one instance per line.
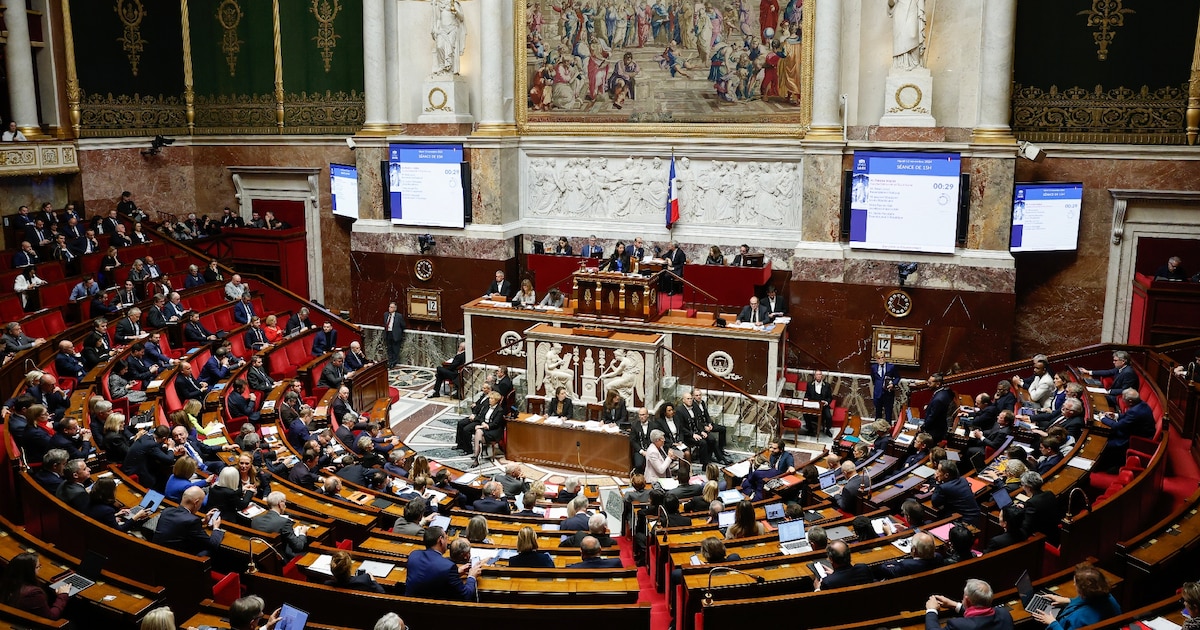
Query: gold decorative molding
x=326 y=12
x=241 y=113
x=1119 y=115
x=131 y=13
x=1193 y=104
x=1106 y=15
x=328 y=112
x=38 y=158
x=136 y=115
x=229 y=16
x=278 y=44
x=189 y=93
x=72 y=73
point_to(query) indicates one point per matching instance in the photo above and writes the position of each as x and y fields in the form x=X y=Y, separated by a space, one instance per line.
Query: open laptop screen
x=791 y=530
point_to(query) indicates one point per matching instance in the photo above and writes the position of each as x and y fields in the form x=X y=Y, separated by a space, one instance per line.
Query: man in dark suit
x=298 y=321
x=976 y=610
x=89 y=244
x=187 y=386
x=1069 y=417
x=174 y=308
x=259 y=379
x=37 y=235
x=597 y=527
x=492 y=501
x=433 y=576
x=216 y=369
x=883 y=387
x=639 y=438
x=924 y=558
x=242 y=403
x=139 y=368
x=149 y=459
x=590 y=558
x=73 y=489
x=355 y=359
x=702 y=443
x=325 y=340
x=980 y=441
x=593 y=249
x=577 y=516
x=821 y=392
x=393 y=333
x=754 y=313
x=302 y=474
x=180 y=528
x=342 y=407
x=845 y=572
x=1043 y=513
x=156 y=317
x=27 y=257
x=292 y=537
x=1123 y=376
x=72 y=438
x=504 y=384
x=63 y=252
x=334 y=371
x=937 y=412
x=676 y=260
x=1138 y=420
x=66 y=362
x=637 y=251
x=195 y=332
x=243 y=311
x=742 y=259
x=500 y=286
x=448 y=370
x=953 y=494
x=255 y=338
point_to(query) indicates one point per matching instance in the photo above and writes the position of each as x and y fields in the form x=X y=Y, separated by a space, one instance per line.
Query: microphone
x=250 y=567
x=579 y=460
x=708 y=596
x=662 y=511
x=1070 y=517
x=30 y=366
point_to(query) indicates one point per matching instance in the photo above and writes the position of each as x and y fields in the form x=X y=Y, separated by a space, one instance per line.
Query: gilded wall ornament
x=131 y=13
x=1118 y=115
x=1107 y=15
x=229 y=14
x=326 y=12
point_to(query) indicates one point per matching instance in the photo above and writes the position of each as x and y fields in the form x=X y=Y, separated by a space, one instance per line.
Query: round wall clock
x=898 y=303
x=424 y=269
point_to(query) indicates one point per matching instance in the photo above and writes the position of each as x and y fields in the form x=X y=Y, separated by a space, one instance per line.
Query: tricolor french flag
x=672 y=196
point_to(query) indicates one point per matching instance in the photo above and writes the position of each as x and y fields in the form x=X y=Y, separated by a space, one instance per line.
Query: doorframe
x=286 y=183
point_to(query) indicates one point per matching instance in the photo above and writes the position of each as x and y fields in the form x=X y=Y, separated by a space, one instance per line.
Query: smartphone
x=212 y=519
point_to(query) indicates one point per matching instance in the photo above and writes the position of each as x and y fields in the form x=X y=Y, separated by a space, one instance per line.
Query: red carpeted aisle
x=660 y=618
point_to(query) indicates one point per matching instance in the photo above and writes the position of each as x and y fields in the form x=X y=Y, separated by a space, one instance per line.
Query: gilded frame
x=763 y=126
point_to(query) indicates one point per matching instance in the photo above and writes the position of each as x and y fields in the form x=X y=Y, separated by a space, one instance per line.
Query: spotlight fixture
x=1031 y=151
x=156 y=145
x=426 y=243
x=904 y=270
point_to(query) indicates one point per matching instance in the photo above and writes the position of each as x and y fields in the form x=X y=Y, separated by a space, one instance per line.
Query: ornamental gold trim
x=229 y=16
x=324 y=112
x=108 y=115
x=229 y=113
x=898 y=99
x=1119 y=115
x=326 y=38
x=664 y=123
x=131 y=13
x=1107 y=15
x=437 y=100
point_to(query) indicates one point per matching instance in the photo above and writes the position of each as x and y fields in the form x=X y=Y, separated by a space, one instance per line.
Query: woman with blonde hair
x=707 y=496
x=181 y=479
x=528 y=555
x=526 y=296
x=160 y=618
x=271 y=329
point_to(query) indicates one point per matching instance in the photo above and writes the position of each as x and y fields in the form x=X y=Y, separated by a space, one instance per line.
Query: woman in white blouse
x=26 y=281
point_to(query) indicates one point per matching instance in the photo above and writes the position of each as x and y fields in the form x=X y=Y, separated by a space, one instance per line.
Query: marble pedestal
x=445 y=100
x=908 y=97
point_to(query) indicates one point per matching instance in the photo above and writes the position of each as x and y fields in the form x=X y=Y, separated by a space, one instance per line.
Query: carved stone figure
x=625 y=376
x=908 y=33
x=449 y=34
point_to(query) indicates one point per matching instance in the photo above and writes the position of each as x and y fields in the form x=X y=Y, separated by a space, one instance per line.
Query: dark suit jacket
x=826 y=394
x=532 y=560
x=397 y=333
x=271 y=522
x=355 y=361
x=260 y=380
x=213 y=371
x=1073 y=426
x=578 y=522
x=358 y=582
x=148 y=461
x=878 y=380
x=196 y=332
x=294 y=323
x=1042 y=514
x=764 y=314
x=332 y=375
x=640 y=438
x=504 y=385
x=955 y=496
x=240 y=406
x=574 y=541
x=661 y=425
x=68 y=365
x=73 y=494
x=254 y=338
x=597 y=563
x=434 y=576
x=848 y=576
x=138 y=370
x=324 y=342
x=243 y=312
x=35 y=441
x=937 y=413
x=492 y=506
x=677 y=259
x=181 y=530
x=1122 y=379
x=187 y=387
x=155 y=318
x=1000 y=620
x=908 y=566
x=503 y=288
x=1137 y=420
x=76 y=449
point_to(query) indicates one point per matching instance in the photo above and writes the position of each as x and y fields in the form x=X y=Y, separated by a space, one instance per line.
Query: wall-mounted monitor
x=343 y=188
x=1045 y=217
x=904 y=201
x=424 y=185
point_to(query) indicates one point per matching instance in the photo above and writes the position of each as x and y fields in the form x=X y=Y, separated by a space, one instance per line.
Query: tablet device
x=291 y=618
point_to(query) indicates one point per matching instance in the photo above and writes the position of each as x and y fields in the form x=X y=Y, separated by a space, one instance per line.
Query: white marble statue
x=625 y=376
x=554 y=369
x=908 y=33
x=449 y=34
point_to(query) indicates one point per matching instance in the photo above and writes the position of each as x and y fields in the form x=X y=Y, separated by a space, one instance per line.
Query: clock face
x=898 y=303
x=424 y=269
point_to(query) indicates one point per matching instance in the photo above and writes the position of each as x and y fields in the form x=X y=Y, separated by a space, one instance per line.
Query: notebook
x=291 y=618
x=89 y=572
x=791 y=537
x=1033 y=601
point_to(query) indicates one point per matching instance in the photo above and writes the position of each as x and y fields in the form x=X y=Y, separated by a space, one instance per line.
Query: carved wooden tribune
x=616 y=296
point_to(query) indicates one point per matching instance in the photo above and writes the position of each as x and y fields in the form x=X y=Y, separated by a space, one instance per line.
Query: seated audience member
x=477 y=531
x=22 y=589
x=73 y=490
x=700 y=503
x=754 y=313
x=344 y=575
x=981 y=441
x=962 y=544
x=1012 y=519
x=863 y=529
x=431 y=575
x=563 y=247
x=325 y=340
x=513 y=480
x=953 y=494
x=1173 y=270
x=181 y=478
x=715 y=257
x=561 y=405
x=1138 y=420
x=554 y=298
x=71 y=437
x=817 y=537
x=180 y=527
x=1050 y=454
x=193 y=278
x=302 y=473
x=528 y=555
x=529 y=500
x=104 y=507
x=577 y=515
x=590 y=558
x=334 y=372
x=744 y=524
x=242 y=402
x=1122 y=374
x=855 y=488
x=247 y=613
x=1093 y=604
x=415 y=520
x=292 y=539
x=229 y=494
x=1191 y=605
x=299 y=321
x=195 y=332
x=597 y=527
x=1043 y=513
x=924 y=558
x=976 y=610
x=50 y=475
x=844 y=571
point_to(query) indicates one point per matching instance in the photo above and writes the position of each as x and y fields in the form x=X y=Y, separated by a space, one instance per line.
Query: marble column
x=996 y=71
x=491 y=43
x=374 y=66
x=826 y=117
x=22 y=93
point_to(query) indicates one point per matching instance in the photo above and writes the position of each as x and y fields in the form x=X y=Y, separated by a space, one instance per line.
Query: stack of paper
x=323 y=564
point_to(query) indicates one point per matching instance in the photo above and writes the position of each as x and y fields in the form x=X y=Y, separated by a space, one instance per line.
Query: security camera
x=904 y=270
x=156 y=145
x=351 y=144
x=426 y=243
x=1031 y=151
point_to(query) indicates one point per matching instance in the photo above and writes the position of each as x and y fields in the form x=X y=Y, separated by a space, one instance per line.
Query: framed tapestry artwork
x=678 y=67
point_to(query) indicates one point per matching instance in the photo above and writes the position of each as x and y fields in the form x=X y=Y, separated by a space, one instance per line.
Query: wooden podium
x=615 y=296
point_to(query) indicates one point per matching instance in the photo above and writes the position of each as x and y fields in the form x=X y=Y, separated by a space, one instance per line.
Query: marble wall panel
x=370 y=181
x=33 y=192
x=487 y=194
x=822 y=198
x=160 y=183
x=397 y=242
x=991 y=193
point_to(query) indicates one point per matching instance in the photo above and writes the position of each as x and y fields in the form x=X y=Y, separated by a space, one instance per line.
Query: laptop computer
x=1033 y=601
x=1002 y=498
x=829 y=483
x=978 y=462
x=291 y=618
x=151 y=501
x=89 y=572
x=725 y=519
x=774 y=513
x=791 y=537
